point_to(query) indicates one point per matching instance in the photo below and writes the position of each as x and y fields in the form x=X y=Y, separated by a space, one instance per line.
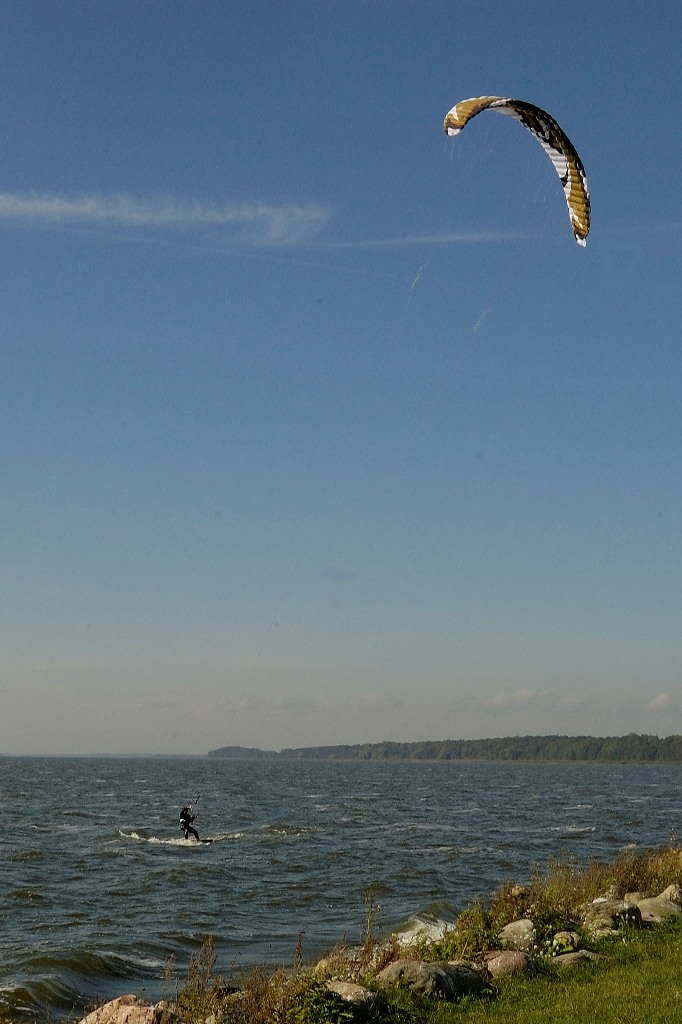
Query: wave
x=263 y=832
x=26 y=895
x=424 y=926
x=180 y=840
x=85 y=964
x=68 y=981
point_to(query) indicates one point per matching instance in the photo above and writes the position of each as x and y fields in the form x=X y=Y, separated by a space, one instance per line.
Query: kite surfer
x=186 y=819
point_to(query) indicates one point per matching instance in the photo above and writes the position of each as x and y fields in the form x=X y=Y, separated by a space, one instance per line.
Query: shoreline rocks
x=454 y=980
x=441 y=980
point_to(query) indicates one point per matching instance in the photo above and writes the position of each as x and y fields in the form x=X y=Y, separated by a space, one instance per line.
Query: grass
x=636 y=981
x=636 y=978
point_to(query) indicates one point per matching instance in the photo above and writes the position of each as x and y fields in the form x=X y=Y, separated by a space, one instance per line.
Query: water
x=98 y=888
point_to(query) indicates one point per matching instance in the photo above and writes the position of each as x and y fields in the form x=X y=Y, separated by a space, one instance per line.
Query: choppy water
x=98 y=888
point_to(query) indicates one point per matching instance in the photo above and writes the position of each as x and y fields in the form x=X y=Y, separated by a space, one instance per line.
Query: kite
x=553 y=140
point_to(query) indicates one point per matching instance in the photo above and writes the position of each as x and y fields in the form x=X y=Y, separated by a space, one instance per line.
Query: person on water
x=186 y=819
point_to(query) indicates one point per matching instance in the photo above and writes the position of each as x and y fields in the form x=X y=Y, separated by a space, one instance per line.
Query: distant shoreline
x=631 y=749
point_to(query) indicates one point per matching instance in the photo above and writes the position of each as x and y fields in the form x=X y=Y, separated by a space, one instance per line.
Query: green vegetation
x=636 y=976
x=634 y=749
x=637 y=980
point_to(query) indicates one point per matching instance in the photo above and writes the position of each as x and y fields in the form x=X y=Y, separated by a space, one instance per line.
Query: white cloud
x=572 y=702
x=516 y=698
x=253 y=222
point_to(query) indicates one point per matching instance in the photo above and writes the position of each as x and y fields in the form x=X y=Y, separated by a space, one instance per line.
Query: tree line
x=634 y=748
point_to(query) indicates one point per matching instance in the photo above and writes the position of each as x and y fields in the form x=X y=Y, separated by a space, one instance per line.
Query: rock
x=505 y=962
x=604 y=916
x=441 y=980
x=673 y=893
x=421 y=978
x=350 y=991
x=578 y=956
x=358 y=995
x=124 y=1010
x=657 y=909
x=519 y=935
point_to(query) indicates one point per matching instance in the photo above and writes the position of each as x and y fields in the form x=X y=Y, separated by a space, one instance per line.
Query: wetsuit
x=186 y=819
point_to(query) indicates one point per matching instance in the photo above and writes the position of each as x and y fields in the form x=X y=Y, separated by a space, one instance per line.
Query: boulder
x=578 y=956
x=124 y=1010
x=358 y=995
x=452 y=981
x=519 y=935
x=656 y=909
x=505 y=962
x=605 y=916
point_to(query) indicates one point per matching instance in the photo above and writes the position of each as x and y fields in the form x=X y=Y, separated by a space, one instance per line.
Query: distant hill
x=633 y=748
x=243 y=753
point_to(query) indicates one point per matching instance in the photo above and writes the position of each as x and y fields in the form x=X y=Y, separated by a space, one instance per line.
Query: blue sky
x=317 y=425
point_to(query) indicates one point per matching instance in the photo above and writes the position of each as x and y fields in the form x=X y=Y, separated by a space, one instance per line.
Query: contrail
x=258 y=222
